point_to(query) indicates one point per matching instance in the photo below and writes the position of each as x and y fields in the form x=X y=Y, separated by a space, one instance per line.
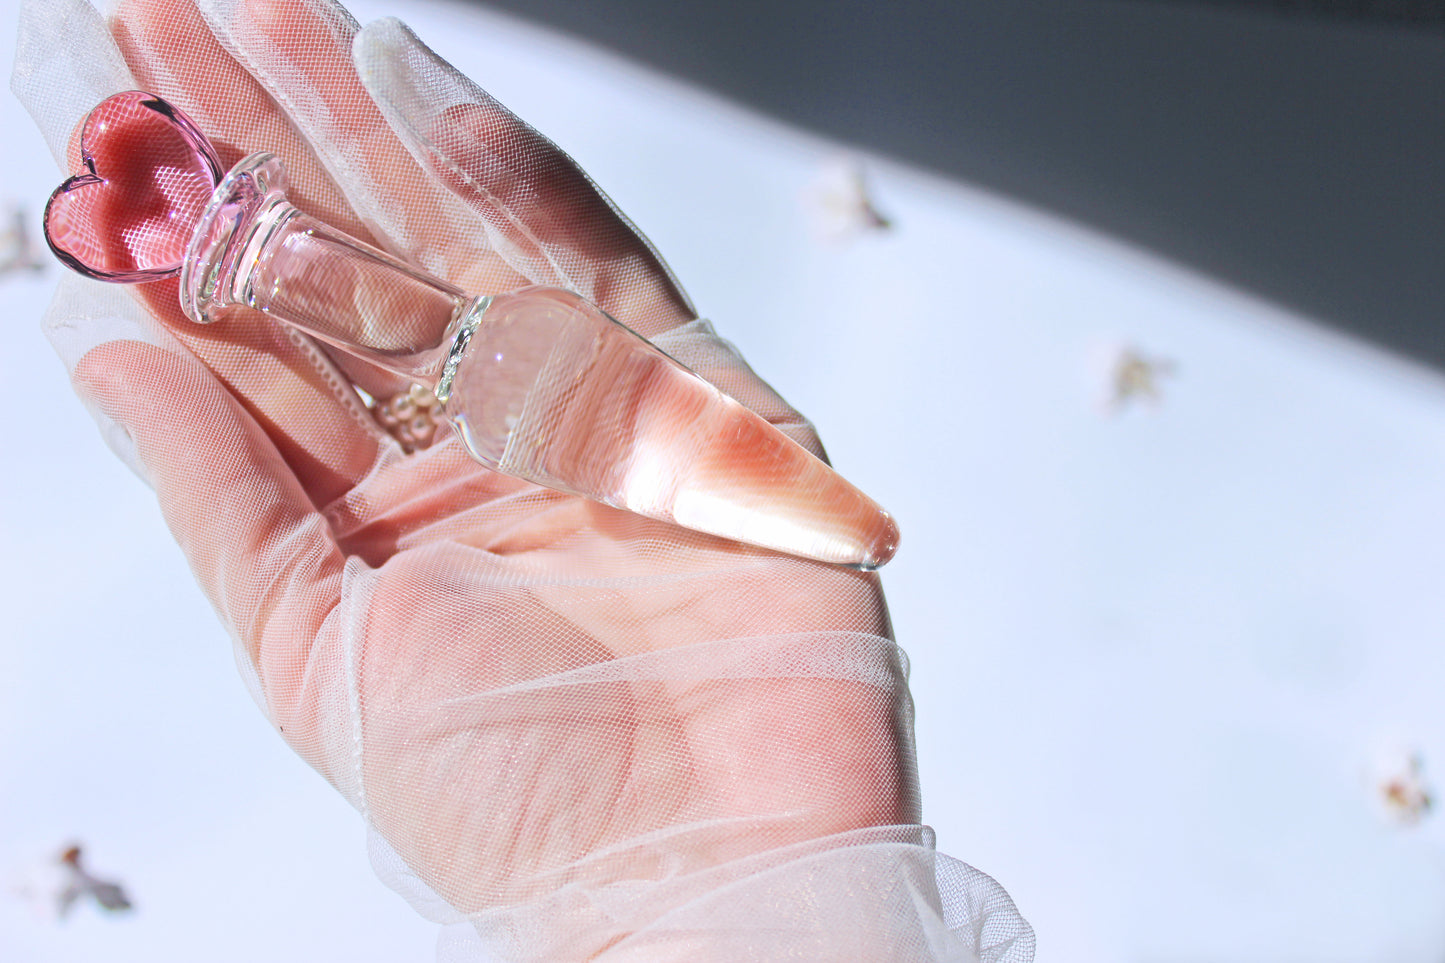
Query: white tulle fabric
x=573 y=734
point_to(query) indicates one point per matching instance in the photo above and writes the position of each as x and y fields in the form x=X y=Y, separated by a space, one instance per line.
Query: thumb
x=259 y=549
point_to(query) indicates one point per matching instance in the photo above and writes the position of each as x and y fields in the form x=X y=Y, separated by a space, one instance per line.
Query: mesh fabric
x=574 y=733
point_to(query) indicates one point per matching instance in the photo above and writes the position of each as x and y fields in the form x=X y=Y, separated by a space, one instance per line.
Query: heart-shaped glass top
x=149 y=172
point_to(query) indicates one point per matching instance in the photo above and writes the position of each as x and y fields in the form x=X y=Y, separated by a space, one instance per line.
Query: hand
x=536 y=701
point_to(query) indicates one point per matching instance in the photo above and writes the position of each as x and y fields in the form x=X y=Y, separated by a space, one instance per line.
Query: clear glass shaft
x=539 y=383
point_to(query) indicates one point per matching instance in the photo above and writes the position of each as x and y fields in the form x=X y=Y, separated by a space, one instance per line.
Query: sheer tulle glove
x=575 y=733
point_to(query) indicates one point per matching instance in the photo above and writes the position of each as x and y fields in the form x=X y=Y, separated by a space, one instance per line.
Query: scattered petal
x=57 y=885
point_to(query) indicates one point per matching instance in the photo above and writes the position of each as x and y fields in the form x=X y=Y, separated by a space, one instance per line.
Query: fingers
x=259 y=550
x=287 y=385
x=172 y=52
x=544 y=214
x=538 y=218
x=300 y=52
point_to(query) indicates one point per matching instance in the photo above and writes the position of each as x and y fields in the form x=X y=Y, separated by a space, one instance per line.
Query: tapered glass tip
x=883 y=547
x=551 y=389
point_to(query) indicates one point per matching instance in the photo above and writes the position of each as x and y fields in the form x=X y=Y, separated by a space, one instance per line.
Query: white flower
x=841 y=204
x=1130 y=376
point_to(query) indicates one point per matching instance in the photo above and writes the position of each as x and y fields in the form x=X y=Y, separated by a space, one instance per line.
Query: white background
x=1156 y=655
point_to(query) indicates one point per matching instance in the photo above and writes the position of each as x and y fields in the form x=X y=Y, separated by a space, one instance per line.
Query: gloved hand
x=576 y=733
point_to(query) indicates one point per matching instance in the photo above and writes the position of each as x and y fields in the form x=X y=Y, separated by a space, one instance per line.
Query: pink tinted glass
x=130 y=215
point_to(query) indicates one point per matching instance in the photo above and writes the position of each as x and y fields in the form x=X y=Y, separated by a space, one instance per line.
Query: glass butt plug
x=538 y=383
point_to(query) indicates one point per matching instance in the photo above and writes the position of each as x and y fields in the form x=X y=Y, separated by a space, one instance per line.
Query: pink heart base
x=149 y=172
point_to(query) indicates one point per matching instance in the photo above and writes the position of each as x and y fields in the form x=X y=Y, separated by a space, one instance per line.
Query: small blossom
x=842 y=204
x=1135 y=376
x=1403 y=791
